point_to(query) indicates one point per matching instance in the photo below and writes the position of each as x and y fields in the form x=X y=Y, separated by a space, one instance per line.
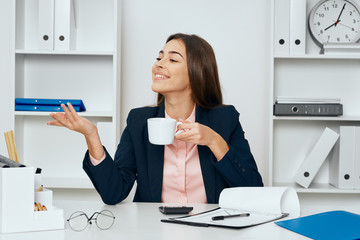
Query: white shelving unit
x=292 y=138
x=89 y=70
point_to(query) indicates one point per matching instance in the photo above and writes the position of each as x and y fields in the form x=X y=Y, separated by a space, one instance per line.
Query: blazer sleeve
x=238 y=166
x=114 y=180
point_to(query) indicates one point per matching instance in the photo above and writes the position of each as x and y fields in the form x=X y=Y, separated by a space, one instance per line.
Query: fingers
x=67 y=112
x=73 y=111
x=55 y=123
x=185 y=126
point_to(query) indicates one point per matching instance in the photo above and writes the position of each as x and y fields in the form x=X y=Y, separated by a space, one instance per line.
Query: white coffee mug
x=162 y=130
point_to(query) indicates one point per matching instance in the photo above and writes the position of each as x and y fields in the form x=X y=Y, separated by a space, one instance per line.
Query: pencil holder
x=17 y=204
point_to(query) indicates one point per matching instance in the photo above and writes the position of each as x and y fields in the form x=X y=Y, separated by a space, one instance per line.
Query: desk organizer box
x=17 y=197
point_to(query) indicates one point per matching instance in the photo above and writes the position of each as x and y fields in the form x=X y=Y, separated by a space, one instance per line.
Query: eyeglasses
x=78 y=221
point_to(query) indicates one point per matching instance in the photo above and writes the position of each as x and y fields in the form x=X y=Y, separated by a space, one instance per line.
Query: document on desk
x=243 y=207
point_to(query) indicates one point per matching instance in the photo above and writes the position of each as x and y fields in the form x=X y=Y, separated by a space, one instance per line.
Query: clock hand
x=338 y=19
x=347 y=26
x=334 y=24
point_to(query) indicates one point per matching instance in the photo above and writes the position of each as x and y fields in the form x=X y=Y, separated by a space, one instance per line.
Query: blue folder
x=48 y=105
x=328 y=225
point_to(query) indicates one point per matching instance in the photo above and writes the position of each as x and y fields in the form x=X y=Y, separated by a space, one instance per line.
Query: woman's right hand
x=71 y=120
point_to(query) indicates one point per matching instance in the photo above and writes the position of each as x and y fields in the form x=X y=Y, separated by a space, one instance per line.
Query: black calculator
x=175 y=210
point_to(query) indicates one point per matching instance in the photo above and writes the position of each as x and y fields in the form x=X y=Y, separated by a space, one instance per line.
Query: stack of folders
x=47 y=105
x=285 y=106
x=343 y=152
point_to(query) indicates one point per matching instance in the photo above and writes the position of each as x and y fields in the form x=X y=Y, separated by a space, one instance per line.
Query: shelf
x=317 y=188
x=84 y=53
x=316 y=56
x=84 y=114
x=87 y=68
x=297 y=118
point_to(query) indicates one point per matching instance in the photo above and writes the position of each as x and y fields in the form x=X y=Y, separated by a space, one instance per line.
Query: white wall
x=239 y=32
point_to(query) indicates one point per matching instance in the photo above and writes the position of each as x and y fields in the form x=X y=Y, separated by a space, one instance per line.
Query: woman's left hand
x=203 y=135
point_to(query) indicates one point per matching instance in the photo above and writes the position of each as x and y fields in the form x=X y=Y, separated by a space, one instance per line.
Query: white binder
x=281 y=26
x=341 y=166
x=64 y=30
x=297 y=26
x=46 y=25
x=312 y=163
x=357 y=159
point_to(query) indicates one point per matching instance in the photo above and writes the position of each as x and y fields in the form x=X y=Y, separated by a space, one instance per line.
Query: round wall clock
x=335 y=21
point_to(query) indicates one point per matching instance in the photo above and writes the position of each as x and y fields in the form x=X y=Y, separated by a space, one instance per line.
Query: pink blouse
x=182 y=177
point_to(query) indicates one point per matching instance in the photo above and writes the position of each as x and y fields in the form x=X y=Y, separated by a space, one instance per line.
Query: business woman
x=209 y=155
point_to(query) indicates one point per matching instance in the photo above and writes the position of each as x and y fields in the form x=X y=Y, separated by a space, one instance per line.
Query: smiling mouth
x=160 y=76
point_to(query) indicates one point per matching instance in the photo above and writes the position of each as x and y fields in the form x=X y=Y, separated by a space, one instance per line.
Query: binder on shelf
x=43 y=108
x=297 y=26
x=281 y=26
x=295 y=109
x=64 y=25
x=341 y=165
x=48 y=105
x=46 y=25
x=340 y=49
x=357 y=159
x=326 y=225
x=312 y=163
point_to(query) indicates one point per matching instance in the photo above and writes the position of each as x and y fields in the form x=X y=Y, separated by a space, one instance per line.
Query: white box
x=312 y=163
x=17 y=204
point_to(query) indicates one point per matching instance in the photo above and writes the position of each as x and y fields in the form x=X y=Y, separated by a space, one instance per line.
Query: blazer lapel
x=207 y=169
x=155 y=161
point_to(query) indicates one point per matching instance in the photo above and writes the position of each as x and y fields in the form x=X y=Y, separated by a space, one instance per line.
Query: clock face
x=335 y=21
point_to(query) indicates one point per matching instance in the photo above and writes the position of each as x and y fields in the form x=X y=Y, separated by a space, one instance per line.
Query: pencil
x=11 y=146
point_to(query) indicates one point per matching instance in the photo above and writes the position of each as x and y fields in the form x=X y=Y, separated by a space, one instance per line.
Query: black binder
x=295 y=109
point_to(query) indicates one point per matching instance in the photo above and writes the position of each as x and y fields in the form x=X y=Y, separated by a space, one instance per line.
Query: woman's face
x=170 y=72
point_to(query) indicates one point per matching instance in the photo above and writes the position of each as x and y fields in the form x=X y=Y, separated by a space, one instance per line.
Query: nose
x=159 y=63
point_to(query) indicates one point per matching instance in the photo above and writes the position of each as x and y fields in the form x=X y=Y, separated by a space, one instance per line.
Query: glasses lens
x=105 y=219
x=78 y=221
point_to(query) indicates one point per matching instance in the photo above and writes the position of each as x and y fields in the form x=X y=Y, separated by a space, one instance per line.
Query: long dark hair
x=203 y=72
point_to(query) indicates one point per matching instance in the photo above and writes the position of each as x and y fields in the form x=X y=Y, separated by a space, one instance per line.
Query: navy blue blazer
x=137 y=159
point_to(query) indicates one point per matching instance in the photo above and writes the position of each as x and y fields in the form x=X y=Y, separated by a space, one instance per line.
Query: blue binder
x=328 y=225
x=48 y=105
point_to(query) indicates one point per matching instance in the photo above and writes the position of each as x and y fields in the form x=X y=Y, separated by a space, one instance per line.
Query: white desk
x=142 y=221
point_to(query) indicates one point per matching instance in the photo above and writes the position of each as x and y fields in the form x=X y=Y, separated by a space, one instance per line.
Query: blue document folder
x=328 y=225
x=43 y=108
x=48 y=105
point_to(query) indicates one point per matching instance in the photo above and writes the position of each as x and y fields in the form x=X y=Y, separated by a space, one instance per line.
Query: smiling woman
x=210 y=154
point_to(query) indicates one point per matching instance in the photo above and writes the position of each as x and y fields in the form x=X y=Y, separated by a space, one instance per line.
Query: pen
x=229 y=216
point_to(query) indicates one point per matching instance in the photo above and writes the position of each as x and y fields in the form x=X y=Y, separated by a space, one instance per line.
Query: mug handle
x=180 y=131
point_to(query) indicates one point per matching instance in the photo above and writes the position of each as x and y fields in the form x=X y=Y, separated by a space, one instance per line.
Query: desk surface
x=142 y=221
